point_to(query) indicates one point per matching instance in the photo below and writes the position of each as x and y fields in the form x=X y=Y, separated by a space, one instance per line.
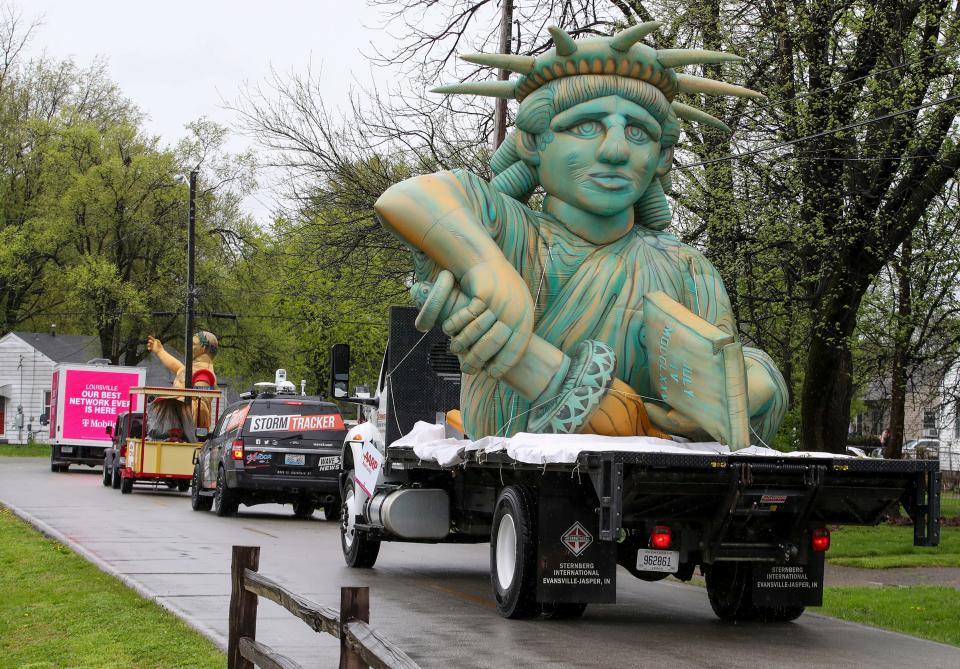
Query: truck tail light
x=821 y=540
x=236 y=449
x=661 y=537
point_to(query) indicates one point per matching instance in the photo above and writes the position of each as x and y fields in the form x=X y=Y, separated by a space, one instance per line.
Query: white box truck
x=84 y=401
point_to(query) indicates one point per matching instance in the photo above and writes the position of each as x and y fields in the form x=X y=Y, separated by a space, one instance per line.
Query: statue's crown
x=622 y=54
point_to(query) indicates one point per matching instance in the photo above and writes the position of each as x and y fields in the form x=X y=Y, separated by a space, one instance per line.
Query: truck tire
x=54 y=467
x=107 y=477
x=304 y=508
x=513 y=552
x=729 y=587
x=126 y=485
x=360 y=550
x=115 y=482
x=225 y=502
x=183 y=485
x=563 y=610
x=198 y=502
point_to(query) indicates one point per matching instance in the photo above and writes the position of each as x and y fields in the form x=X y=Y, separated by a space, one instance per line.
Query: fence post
x=354 y=605
x=243 y=605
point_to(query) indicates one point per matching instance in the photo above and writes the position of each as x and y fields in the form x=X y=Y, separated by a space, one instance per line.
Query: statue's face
x=603 y=155
x=198 y=350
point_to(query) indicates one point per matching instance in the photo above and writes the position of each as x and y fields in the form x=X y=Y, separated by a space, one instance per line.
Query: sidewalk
x=899 y=576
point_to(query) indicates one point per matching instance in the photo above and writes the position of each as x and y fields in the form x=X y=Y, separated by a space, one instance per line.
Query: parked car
x=274 y=448
x=128 y=424
x=921 y=449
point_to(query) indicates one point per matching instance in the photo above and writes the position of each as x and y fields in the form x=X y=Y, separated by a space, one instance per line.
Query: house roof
x=63 y=348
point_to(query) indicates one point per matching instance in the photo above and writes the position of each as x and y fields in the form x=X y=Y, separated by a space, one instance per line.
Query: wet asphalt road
x=433 y=601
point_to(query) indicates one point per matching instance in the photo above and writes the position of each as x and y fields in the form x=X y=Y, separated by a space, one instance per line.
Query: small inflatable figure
x=205 y=347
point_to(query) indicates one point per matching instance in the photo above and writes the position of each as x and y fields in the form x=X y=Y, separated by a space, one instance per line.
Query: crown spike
x=625 y=39
x=688 y=113
x=503 y=61
x=565 y=44
x=687 y=83
x=679 y=57
x=491 y=89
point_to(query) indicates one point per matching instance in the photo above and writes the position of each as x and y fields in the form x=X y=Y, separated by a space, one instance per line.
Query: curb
x=48 y=531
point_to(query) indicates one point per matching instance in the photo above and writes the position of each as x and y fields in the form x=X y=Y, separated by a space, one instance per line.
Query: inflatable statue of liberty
x=587 y=316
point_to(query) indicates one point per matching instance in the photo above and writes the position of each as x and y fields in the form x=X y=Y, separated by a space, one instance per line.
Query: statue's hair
x=208 y=341
x=518 y=179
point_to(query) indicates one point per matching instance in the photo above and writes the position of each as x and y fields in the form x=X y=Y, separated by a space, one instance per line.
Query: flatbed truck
x=756 y=525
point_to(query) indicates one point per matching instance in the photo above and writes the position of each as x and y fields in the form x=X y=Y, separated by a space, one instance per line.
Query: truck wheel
x=126 y=485
x=198 y=502
x=183 y=485
x=54 y=467
x=303 y=508
x=225 y=501
x=728 y=588
x=564 y=610
x=360 y=550
x=115 y=481
x=513 y=552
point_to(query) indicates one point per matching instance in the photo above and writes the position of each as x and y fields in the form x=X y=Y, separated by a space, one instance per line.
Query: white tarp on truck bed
x=429 y=443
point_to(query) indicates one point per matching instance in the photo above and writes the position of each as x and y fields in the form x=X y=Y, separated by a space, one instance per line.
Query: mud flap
x=573 y=564
x=784 y=585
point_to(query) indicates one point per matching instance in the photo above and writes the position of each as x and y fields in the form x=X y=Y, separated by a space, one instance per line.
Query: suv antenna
x=303 y=386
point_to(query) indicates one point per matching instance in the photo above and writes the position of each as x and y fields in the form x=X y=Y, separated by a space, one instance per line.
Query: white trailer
x=84 y=402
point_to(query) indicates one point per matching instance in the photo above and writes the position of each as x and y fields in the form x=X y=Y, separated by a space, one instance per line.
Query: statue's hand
x=671 y=421
x=493 y=331
x=154 y=345
x=489 y=329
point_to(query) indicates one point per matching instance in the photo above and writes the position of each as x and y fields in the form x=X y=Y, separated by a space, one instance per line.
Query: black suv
x=128 y=425
x=283 y=449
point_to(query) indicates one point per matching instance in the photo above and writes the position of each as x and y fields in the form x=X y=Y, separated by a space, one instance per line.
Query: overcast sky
x=178 y=59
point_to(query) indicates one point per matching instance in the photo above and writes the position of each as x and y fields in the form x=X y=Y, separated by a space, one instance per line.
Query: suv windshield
x=279 y=419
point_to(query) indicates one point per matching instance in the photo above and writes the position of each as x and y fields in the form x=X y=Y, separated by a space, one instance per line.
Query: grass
x=25 y=450
x=59 y=610
x=888 y=546
x=923 y=611
x=950 y=506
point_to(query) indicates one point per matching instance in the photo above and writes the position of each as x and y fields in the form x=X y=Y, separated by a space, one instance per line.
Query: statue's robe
x=583 y=291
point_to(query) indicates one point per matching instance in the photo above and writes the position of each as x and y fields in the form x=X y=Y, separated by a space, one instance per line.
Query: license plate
x=651 y=560
x=66 y=449
x=294 y=459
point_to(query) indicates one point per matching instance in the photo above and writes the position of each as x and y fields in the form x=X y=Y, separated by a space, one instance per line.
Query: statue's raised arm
x=546 y=308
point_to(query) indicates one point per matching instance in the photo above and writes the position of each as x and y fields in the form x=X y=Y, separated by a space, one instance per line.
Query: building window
x=929 y=420
x=46 y=402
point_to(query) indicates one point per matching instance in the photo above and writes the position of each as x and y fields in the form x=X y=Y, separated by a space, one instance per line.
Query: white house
x=27 y=360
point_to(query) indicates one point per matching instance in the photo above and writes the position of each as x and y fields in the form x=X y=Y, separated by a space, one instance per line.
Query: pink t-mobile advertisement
x=92 y=400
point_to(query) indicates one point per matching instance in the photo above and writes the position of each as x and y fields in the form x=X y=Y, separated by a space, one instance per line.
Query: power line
x=824 y=133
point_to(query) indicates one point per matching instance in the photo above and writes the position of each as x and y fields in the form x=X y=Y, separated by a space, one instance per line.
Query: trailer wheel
x=225 y=502
x=198 y=502
x=126 y=485
x=360 y=550
x=728 y=588
x=513 y=552
x=115 y=478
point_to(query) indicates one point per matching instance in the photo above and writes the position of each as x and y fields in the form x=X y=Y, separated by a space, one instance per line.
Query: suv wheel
x=331 y=510
x=225 y=501
x=199 y=502
x=115 y=482
x=107 y=475
x=304 y=508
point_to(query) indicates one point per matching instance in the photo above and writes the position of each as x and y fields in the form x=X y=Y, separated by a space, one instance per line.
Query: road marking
x=274 y=536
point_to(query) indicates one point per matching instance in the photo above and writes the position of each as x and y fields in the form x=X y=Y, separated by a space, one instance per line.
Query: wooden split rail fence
x=360 y=644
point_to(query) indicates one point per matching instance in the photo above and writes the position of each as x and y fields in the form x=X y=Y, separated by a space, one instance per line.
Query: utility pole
x=188 y=336
x=500 y=113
